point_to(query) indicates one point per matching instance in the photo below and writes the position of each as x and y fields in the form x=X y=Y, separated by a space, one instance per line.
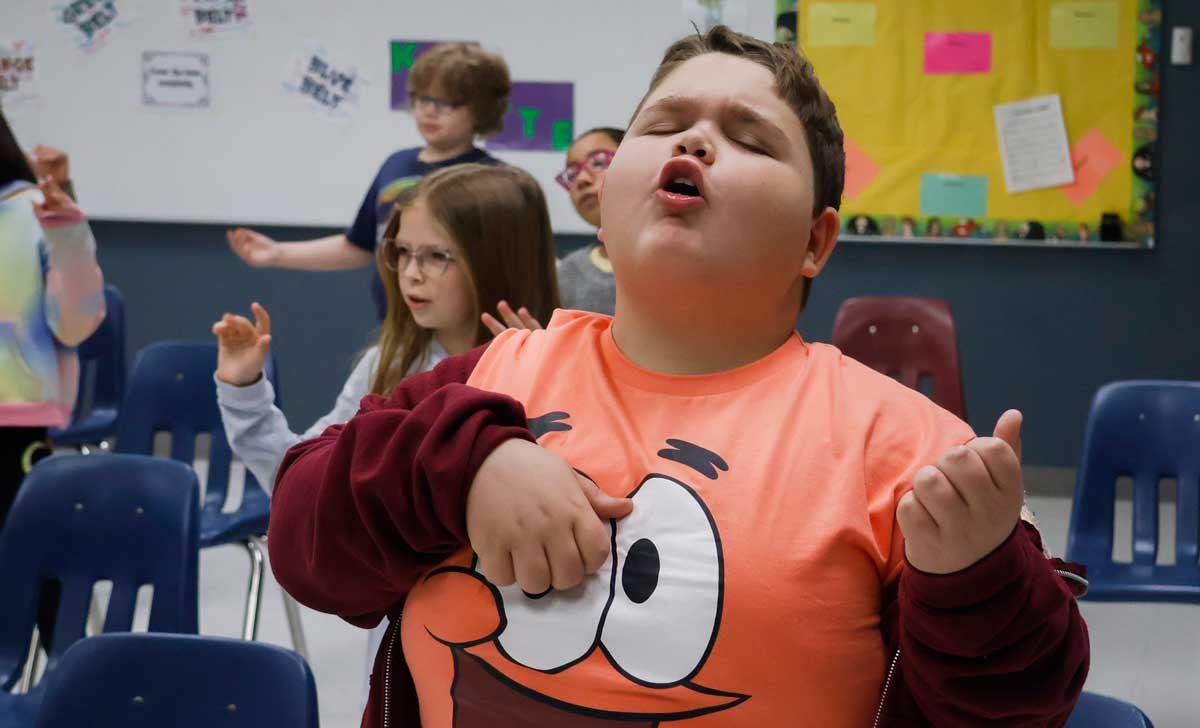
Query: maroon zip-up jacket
x=361 y=512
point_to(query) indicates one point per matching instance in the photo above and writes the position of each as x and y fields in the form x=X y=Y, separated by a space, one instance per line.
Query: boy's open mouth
x=682 y=176
x=681 y=185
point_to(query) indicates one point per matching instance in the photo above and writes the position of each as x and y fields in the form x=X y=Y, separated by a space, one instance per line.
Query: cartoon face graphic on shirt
x=620 y=649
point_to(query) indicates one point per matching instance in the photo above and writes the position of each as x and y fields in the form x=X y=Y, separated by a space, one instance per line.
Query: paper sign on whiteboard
x=177 y=80
x=1033 y=144
x=16 y=73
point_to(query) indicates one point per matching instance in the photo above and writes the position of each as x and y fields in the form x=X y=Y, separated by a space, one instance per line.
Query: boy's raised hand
x=242 y=348
x=534 y=521
x=256 y=249
x=964 y=506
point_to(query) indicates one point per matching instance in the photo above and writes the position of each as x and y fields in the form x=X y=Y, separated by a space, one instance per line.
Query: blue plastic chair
x=101 y=380
x=1099 y=711
x=1146 y=430
x=148 y=681
x=171 y=389
x=78 y=520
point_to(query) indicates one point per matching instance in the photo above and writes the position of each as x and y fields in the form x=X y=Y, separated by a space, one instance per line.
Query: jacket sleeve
x=74 y=296
x=361 y=511
x=1001 y=642
x=257 y=430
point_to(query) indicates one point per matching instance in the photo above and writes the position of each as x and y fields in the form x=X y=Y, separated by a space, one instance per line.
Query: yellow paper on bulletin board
x=919 y=100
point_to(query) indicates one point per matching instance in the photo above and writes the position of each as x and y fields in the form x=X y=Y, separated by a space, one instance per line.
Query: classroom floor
x=1144 y=653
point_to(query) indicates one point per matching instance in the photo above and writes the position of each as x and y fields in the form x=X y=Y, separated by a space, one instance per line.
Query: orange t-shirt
x=745 y=587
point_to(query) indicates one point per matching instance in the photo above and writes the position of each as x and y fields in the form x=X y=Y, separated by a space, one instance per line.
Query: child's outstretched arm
x=334 y=252
x=984 y=629
x=74 y=283
x=257 y=430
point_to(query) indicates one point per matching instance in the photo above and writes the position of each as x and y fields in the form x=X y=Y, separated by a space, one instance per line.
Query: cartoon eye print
x=667 y=595
x=653 y=607
x=551 y=631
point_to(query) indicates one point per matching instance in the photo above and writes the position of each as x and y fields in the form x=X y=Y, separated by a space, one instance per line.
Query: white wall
x=262 y=155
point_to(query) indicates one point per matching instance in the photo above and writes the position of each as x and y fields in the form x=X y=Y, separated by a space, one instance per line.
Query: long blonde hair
x=498 y=218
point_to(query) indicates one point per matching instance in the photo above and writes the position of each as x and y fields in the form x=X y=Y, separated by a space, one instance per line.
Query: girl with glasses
x=456 y=244
x=585 y=276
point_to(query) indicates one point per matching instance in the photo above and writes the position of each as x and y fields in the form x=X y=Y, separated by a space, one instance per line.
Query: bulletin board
x=916 y=83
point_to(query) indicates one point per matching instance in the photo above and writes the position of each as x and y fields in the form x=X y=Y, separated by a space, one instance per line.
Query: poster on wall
x=995 y=132
x=17 y=81
x=206 y=18
x=90 y=23
x=540 y=117
x=329 y=87
x=172 y=80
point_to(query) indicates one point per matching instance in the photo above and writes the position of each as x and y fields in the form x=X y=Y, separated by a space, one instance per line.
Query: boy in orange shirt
x=685 y=513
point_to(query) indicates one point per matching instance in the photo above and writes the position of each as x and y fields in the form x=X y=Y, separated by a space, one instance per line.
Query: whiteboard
x=262 y=155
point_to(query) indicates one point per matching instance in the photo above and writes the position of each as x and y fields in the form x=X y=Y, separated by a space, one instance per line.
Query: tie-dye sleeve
x=74 y=283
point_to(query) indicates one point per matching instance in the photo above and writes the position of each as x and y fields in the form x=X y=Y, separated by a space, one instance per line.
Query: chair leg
x=297 y=628
x=29 y=667
x=95 y=617
x=254 y=593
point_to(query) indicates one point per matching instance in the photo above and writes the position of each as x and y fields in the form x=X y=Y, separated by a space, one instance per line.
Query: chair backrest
x=1146 y=431
x=1099 y=711
x=102 y=360
x=171 y=389
x=907 y=338
x=151 y=680
x=80 y=519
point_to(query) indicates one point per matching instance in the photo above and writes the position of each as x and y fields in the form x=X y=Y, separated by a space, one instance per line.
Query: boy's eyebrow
x=737 y=111
x=743 y=114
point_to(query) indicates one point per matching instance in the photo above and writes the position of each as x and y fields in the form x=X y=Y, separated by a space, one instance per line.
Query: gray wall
x=1039 y=329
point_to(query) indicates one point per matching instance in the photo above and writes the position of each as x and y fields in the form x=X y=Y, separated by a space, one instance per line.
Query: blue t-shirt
x=397 y=173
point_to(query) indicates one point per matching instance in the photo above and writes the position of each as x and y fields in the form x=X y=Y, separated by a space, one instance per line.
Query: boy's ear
x=822 y=239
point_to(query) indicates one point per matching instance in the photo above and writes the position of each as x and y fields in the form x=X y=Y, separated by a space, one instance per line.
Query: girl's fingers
x=492 y=324
x=262 y=319
x=527 y=319
x=510 y=317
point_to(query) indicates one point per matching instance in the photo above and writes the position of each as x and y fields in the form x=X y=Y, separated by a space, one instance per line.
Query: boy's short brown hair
x=796 y=84
x=469 y=75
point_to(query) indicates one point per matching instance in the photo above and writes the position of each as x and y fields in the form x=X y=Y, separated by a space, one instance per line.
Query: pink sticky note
x=1093 y=157
x=861 y=170
x=958 y=53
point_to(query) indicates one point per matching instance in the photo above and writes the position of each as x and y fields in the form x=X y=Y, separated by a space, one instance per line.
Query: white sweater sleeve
x=258 y=431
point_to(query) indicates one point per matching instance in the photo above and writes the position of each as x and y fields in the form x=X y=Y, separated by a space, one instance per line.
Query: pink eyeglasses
x=595 y=162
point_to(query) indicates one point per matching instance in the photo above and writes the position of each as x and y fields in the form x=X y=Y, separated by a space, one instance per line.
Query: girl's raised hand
x=56 y=201
x=242 y=348
x=520 y=319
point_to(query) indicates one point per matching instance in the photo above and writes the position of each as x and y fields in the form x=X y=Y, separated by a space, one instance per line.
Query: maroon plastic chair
x=907 y=338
